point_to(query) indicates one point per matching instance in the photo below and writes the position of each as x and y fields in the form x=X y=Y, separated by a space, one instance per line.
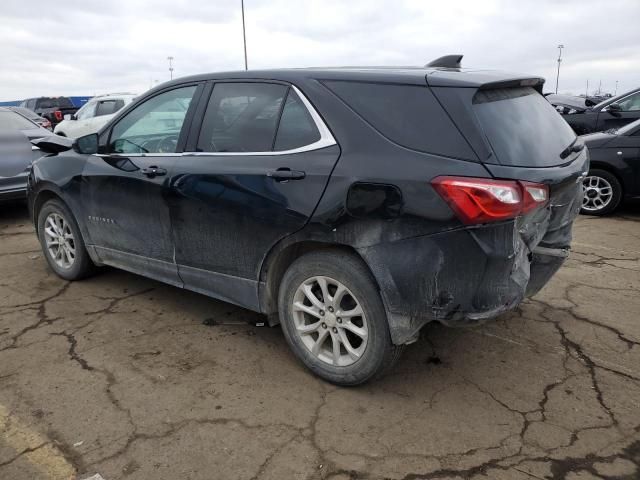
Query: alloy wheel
x=330 y=321
x=598 y=193
x=60 y=244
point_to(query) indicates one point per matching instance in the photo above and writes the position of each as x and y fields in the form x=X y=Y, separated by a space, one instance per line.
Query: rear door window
x=242 y=117
x=107 y=107
x=522 y=128
x=297 y=128
x=408 y=115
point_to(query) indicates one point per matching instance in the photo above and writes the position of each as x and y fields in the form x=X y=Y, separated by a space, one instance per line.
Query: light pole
x=616 y=92
x=560 y=47
x=244 y=36
x=170 y=67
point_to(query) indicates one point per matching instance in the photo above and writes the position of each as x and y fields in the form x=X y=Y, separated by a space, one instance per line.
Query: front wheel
x=62 y=242
x=333 y=318
x=602 y=193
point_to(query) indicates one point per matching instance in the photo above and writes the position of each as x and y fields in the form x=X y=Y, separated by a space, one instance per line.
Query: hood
x=597 y=140
x=35 y=132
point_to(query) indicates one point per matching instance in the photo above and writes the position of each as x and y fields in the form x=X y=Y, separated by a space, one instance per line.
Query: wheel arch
x=278 y=261
x=597 y=165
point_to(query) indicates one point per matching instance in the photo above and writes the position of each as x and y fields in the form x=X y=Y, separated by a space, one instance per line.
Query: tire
x=81 y=266
x=596 y=185
x=369 y=358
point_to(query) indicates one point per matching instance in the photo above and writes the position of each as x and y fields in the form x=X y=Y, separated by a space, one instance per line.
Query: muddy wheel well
x=40 y=200
x=276 y=265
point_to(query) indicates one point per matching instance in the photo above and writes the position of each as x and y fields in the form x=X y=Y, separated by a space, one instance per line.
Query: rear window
x=408 y=115
x=57 y=102
x=12 y=121
x=522 y=127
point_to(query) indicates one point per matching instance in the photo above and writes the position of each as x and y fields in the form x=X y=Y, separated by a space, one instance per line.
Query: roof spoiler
x=448 y=61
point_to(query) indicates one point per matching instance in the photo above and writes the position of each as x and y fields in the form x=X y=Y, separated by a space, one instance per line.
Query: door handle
x=154 y=171
x=286 y=174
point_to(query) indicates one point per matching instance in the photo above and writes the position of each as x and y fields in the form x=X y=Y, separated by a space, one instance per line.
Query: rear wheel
x=602 y=193
x=333 y=318
x=62 y=242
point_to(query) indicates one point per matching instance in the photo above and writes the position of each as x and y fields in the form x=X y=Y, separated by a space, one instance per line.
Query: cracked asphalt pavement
x=132 y=379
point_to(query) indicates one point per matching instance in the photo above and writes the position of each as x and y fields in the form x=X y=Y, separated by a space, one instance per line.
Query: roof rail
x=448 y=61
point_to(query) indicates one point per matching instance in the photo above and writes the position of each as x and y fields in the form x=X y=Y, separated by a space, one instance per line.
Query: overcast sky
x=87 y=47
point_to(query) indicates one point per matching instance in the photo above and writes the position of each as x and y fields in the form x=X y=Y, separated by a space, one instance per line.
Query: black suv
x=352 y=206
x=52 y=108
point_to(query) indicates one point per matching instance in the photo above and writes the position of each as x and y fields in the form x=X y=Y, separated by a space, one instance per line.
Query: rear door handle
x=154 y=171
x=285 y=174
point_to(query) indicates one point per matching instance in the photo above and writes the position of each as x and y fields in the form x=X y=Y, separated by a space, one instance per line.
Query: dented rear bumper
x=467 y=275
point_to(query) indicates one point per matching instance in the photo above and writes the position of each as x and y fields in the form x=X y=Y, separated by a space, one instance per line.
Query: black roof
x=441 y=77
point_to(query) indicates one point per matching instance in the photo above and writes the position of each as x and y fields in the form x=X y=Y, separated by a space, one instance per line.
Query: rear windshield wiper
x=573 y=148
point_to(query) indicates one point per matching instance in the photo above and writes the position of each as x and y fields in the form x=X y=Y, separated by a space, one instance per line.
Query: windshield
x=627 y=128
x=522 y=127
x=13 y=121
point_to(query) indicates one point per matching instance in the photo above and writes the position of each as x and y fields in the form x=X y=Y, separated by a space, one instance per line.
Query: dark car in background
x=33 y=116
x=614 y=174
x=52 y=108
x=16 y=152
x=352 y=206
x=611 y=113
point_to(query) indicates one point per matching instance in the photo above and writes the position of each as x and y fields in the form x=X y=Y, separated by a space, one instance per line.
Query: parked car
x=611 y=113
x=352 y=206
x=614 y=173
x=93 y=115
x=33 y=116
x=52 y=108
x=16 y=153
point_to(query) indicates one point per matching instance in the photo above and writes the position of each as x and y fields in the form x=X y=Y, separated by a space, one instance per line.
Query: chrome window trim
x=326 y=140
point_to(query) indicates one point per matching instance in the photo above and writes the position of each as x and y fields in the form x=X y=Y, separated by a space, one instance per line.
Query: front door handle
x=153 y=171
x=286 y=174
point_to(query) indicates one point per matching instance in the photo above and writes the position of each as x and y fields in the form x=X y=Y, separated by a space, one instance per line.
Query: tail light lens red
x=482 y=200
x=58 y=115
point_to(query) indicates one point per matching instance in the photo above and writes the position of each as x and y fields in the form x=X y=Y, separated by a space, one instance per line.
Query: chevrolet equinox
x=350 y=205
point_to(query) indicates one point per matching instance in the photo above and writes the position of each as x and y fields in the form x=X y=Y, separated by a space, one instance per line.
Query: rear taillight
x=482 y=200
x=58 y=115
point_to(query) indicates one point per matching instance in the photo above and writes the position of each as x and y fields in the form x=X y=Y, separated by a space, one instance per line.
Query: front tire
x=62 y=243
x=602 y=193
x=333 y=318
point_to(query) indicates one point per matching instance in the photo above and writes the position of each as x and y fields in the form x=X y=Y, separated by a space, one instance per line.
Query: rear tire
x=62 y=243
x=602 y=193
x=341 y=284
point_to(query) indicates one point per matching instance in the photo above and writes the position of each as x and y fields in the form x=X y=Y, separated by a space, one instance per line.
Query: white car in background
x=93 y=115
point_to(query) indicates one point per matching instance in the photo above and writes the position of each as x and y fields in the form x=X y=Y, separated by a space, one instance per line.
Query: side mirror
x=87 y=145
x=614 y=109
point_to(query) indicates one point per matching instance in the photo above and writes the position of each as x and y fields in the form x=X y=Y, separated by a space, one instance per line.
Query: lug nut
x=321 y=312
x=324 y=325
x=331 y=309
x=339 y=320
x=335 y=330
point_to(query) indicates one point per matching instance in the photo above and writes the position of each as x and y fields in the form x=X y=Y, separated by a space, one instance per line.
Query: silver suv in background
x=93 y=115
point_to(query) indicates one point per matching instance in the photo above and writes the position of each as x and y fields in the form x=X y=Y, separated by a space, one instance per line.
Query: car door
x=78 y=127
x=124 y=189
x=629 y=111
x=254 y=175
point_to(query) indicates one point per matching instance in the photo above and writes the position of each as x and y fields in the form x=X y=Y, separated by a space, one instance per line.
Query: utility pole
x=244 y=36
x=586 y=94
x=560 y=47
x=616 y=92
x=170 y=67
